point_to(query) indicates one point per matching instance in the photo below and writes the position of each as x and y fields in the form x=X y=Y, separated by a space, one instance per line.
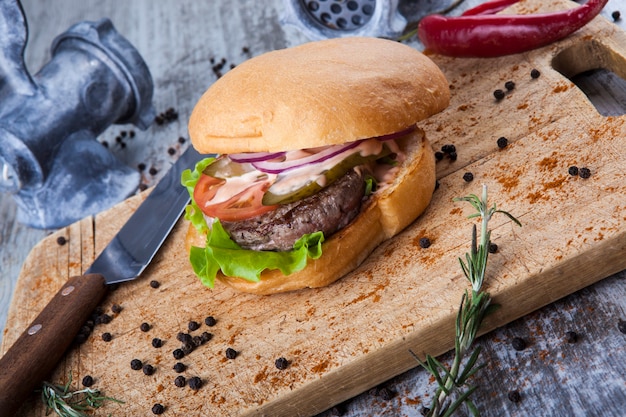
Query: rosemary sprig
x=453 y=389
x=67 y=403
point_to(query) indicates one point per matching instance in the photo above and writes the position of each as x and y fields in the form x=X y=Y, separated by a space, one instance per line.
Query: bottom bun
x=385 y=214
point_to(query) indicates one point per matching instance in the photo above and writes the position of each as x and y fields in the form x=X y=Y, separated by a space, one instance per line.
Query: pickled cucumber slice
x=308 y=189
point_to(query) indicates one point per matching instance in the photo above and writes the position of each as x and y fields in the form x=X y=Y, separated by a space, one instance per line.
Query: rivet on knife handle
x=38 y=350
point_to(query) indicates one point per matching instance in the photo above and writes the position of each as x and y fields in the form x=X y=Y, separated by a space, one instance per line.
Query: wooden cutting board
x=343 y=339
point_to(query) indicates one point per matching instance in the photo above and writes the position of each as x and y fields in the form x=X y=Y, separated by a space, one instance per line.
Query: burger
x=314 y=158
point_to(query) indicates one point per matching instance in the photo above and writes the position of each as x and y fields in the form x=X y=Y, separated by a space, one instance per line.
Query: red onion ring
x=277 y=167
x=254 y=156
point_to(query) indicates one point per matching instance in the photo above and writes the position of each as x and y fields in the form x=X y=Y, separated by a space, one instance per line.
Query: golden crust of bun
x=319 y=93
x=386 y=213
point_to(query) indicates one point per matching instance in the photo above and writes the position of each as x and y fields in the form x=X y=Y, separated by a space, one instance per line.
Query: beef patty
x=329 y=210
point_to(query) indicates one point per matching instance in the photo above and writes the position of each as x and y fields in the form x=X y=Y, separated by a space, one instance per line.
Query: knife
x=40 y=347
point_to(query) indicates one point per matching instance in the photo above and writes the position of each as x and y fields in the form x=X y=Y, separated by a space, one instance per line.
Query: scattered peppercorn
x=424 y=242
x=184 y=337
x=158 y=409
x=131 y=133
x=385 y=394
x=534 y=73
x=105 y=143
x=449 y=148
x=178 y=354
x=571 y=337
x=210 y=321
x=518 y=343
x=514 y=396
x=103 y=319
x=107 y=337
x=148 y=369
x=153 y=171
x=171 y=151
x=61 y=240
x=87 y=380
x=573 y=170
x=187 y=348
x=621 y=326
x=180 y=381
x=439 y=155
x=468 y=177
x=584 y=173
x=502 y=142
x=616 y=15
x=116 y=309
x=493 y=248
x=182 y=140
x=167 y=116
x=193 y=325
x=425 y=411
x=154 y=283
x=453 y=156
x=157 y=343
x=205 y=337
x=195 y=383
x=141 y=166
x=498 y=94
x=197 y=341
x=179 y=367
x=144 y=327
x=281 y=363
x=231 y=353
x=509 y=85
x=136 y=364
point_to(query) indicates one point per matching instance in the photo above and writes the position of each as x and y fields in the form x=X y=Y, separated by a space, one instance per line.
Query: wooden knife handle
x=39 y=349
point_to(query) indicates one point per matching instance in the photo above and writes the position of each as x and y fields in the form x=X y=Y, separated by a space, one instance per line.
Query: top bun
x=320 y=93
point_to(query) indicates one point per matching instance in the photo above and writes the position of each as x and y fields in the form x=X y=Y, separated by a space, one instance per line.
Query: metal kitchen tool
x=50 y=160
x=321 y=19
x=38 y=350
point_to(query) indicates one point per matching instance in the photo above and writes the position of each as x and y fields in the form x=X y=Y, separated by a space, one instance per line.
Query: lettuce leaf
x=222 y=253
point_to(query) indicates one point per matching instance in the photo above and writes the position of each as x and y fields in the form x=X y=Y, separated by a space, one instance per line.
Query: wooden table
x=556 y=374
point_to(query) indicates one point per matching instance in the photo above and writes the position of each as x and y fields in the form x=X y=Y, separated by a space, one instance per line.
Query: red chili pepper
x=481 y=33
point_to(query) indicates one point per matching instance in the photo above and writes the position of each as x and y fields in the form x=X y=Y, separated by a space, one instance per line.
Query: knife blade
x=40 y=347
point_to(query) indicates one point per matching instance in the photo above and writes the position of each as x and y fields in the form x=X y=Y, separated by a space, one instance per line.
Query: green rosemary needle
x=453 y=389
x=67 y=403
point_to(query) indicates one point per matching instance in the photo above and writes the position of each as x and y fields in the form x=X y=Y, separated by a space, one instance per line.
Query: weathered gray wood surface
x=178 y=40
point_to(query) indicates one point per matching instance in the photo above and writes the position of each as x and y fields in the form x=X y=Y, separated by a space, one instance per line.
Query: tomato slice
x=244 y=205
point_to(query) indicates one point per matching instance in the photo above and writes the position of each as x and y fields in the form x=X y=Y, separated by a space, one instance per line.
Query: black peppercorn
x=181 y=140
x=158 y=409
x=116 y=309
x=468 y=177
x=439 y=155
x=518 y=343
x=61 y=240
x=571 y=337
x=449 y=148
x=195 y=383
x=153 y=171
x=171 y=151
x=141 y=166
x=509 y=85
x=107 y=337
x=584 y=173
x=193 y=325
x=573 y=170
x=178 y=354
x=534 y=73
x=87 y=380
x=205 y=337
x=196 y=341
x=136 y=364
x=621 y=326
x=179 y=367
x=514 y=396
x=157 y=343
x=144 y=327
x=502 y=142
x=180 y=381
x=210 y=321
x=131 y=133
x=103 y=319
x=154 y=283
x=231 y=353
x=425 y=411
x=424 y=242
x=385 y=394
x=184 y=337
x=281 y=363
x=493 y=248
x=616 y=15
x=453 y=156
x=498 y=94
x=148 y=369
